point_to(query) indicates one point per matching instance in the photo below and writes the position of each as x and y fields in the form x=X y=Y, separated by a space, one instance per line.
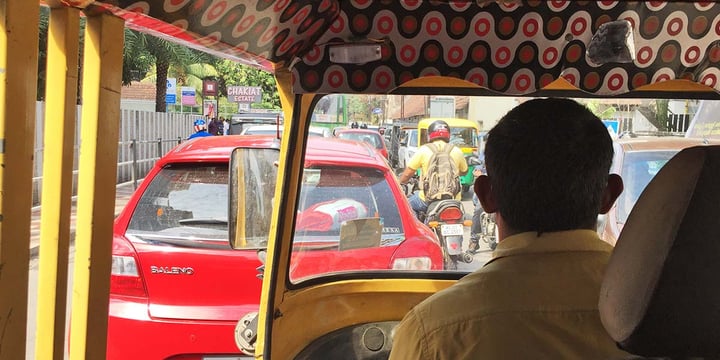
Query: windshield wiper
x=201 y=221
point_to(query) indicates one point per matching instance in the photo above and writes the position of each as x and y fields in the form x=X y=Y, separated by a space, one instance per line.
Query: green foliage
x=42 y=55
x=603 y=111
x=152 y=58
x=661 y=114
x=234 y=74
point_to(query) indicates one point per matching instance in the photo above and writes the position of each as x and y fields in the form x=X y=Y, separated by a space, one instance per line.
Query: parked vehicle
x=637 y=159
x=370 y=136
x=240 y=121
x=175 y=274
x=463 y=134
x=275 y=129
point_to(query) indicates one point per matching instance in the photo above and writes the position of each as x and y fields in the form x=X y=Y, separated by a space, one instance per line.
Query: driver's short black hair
x=548 y=162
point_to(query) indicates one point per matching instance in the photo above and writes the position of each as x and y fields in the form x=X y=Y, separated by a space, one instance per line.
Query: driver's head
x=438 y=130
x=548 y=161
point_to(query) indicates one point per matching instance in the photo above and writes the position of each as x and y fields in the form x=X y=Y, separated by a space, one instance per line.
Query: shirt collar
x=558 y=241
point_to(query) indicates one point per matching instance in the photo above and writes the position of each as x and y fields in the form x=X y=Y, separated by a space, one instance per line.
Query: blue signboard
x=612 y=125
x=171 y=92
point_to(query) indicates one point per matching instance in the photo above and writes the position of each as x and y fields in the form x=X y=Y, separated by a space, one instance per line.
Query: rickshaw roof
x=514 y=48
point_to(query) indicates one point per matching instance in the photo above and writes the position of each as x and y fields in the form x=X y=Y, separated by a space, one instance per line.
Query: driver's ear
x=613 y=189
x=484 y=192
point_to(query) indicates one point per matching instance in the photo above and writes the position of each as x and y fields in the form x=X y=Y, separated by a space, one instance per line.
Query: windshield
x=346 y=189
x=184 y=202
x=638 y=169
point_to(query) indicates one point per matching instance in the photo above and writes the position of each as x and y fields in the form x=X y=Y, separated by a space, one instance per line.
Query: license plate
x=450 y=230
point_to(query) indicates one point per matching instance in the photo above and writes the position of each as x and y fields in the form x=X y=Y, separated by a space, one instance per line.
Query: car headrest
x=661 y=291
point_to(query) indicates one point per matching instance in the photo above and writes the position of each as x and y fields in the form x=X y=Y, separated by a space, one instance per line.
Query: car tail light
x=412 y=263
x=125 y=276
x=450 y=214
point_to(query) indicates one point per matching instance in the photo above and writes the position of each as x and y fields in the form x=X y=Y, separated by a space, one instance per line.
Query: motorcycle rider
x=476 y=228
x=439 y=135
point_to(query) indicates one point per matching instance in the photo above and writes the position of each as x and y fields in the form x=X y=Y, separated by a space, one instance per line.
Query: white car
x=408 y=147
x=275 y=129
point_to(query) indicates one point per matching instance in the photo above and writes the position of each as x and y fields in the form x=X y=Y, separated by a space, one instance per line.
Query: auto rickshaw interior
x=604 y=52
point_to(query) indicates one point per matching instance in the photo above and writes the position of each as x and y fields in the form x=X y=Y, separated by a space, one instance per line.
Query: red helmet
x=439 y=130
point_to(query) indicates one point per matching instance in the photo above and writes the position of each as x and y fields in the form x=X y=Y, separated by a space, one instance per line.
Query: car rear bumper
x=132 y=334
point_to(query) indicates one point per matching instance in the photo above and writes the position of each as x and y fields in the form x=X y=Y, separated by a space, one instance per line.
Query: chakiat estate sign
x=244 y=94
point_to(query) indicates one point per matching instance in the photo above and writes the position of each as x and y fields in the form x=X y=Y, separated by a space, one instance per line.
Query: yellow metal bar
x=290 y=172
x=102 y=77
x=18 y=92
x=60 y=98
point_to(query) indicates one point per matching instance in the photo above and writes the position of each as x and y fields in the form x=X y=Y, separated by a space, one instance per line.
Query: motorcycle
x=489 y=231
x=446 y=218
x=489 y=234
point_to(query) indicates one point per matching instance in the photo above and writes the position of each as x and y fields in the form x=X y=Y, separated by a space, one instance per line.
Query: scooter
x=446 y=218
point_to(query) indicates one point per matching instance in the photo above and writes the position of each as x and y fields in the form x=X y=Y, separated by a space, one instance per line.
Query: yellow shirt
x=422 y=157
x=537 y=298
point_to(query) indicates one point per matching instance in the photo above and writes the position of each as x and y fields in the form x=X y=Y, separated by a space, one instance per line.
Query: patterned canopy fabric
x=512 y=48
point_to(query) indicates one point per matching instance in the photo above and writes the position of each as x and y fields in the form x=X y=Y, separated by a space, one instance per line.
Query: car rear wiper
x=201 y=221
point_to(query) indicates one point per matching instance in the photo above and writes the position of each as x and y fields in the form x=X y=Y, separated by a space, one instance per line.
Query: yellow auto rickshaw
x=463 y=134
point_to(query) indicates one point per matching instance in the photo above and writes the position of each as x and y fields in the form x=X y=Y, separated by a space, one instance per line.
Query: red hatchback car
x=372 y=137
x=177 y=287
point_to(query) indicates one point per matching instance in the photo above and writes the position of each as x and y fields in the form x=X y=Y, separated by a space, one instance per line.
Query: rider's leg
x=417 y=204
x=476 y=228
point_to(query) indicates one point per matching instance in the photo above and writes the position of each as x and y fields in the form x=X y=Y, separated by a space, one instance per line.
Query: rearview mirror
x=253 y=176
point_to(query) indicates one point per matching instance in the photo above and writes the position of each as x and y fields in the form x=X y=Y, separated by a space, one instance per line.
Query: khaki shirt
x=422 y=157
x=537 y=298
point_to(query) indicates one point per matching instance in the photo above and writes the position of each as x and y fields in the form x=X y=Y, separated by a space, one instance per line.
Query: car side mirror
x=253 y=176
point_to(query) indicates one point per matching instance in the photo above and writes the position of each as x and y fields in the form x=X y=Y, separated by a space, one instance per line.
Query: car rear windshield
x=638 y=169
x=186 y=202
x=373 y=140
x=330 y=196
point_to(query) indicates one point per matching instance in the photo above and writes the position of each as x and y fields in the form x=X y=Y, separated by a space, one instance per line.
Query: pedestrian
x=212 y=126
x=200 y=129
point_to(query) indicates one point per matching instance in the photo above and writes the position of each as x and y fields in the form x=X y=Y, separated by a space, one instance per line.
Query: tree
x=231 y=73
x=164 y=55
x=656 y=113
x=603 y=111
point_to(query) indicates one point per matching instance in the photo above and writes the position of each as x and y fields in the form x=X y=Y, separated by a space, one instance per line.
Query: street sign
x=613 y=126
x=244 y=94
x=377 y=111
x=171 y=92
x=188 y=95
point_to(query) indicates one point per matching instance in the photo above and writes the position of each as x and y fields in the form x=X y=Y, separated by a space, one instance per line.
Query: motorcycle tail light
x=450 y=214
